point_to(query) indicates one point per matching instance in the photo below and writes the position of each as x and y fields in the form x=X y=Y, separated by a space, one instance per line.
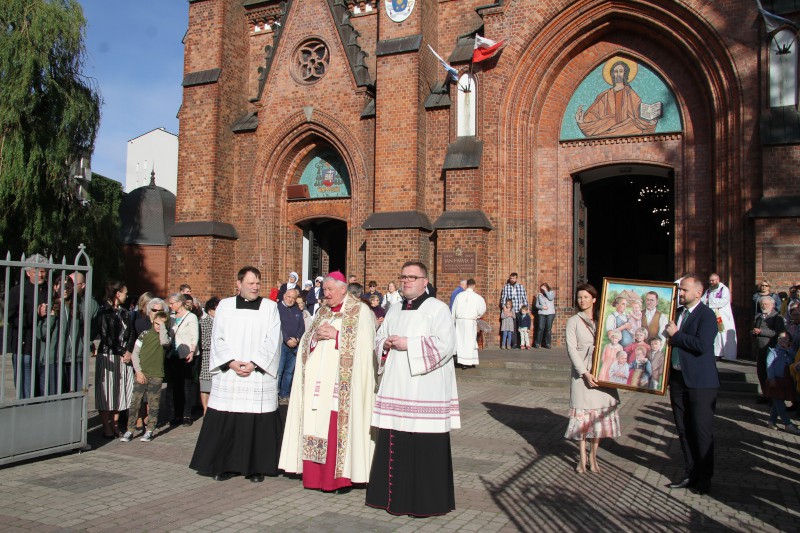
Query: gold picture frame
x=622 y=358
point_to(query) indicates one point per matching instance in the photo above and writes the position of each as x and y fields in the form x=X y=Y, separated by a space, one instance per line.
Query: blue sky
x=134 y=52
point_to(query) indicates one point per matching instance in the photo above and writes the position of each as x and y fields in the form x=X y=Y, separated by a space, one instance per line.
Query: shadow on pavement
x=545 y=490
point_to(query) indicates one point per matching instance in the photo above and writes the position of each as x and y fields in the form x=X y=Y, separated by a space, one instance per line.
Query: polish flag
x=485 y=48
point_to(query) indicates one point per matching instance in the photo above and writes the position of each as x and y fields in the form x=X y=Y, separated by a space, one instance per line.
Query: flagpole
x=469 y=81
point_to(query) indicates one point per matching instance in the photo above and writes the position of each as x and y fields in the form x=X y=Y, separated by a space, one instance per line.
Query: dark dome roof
x=147 y=215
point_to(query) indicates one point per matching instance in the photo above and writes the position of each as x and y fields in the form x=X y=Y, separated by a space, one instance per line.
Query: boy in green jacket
x=148 y=362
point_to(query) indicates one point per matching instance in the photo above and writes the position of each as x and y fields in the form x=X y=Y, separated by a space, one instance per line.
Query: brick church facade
x=318 y=134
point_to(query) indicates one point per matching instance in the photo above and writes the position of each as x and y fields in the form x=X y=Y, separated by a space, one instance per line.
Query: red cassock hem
x=321 y=476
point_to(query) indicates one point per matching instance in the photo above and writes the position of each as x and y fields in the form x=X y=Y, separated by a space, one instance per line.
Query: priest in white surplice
x=468 y=307
x=241 y=431
x=417 y=404
x=327 y=436
x=718 y=298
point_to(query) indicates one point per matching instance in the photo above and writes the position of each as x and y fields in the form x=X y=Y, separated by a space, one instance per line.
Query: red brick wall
x=146 y=269
x=775 y=232
x=713 y=63
x=207 y=264
x=387 y=250
x=396 y=130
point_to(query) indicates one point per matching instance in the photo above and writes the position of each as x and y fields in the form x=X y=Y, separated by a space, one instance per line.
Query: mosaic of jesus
x=620 y=97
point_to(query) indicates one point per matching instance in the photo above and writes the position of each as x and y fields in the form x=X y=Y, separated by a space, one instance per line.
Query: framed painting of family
x=631 y=351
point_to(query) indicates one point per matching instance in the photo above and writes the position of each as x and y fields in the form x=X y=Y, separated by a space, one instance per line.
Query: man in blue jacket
x=693 y=384
x=292 y=329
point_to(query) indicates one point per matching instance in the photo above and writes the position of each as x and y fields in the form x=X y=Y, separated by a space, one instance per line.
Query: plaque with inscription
x=458 y=262
x=781 y=258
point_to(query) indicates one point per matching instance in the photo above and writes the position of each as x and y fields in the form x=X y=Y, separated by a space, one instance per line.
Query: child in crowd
x=148 y=362
x=307 y=318
x=641 y=369
x=620 y=370
x=639 y=336
x=380 y=312
x=507 y=326
x=524 y=328
x=610 y=354
x=780 y=386
x=656 y=357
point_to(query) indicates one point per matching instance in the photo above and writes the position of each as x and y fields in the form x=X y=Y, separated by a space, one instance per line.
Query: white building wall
x=157 y=148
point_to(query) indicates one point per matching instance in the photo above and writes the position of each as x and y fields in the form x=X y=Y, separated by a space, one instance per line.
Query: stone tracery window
x=310 y=61
x=783 y=69
x=465 y=105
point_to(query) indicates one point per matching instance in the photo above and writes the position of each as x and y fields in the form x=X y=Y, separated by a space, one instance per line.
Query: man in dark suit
x=693 y=384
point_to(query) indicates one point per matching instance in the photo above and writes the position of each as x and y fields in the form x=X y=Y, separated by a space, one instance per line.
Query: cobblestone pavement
x=513 y=471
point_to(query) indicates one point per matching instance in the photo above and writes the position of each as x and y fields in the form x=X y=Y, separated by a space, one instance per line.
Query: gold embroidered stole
x=315 y=448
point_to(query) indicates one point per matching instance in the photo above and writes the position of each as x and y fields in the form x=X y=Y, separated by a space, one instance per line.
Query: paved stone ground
x=513 y=471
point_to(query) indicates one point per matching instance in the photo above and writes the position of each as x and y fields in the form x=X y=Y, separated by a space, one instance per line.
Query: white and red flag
x=485 y=48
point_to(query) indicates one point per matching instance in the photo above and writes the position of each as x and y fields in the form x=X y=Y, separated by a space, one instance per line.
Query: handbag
x=174 y=350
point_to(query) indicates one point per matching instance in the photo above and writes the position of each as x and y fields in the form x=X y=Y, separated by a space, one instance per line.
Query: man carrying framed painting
x=693 y=384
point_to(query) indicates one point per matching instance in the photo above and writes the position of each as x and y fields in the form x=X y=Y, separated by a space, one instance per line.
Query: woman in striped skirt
x=114 y=374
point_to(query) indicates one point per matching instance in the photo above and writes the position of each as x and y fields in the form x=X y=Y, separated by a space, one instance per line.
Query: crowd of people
x=45 y=325
x=368 y=377
x=517 y=318
x=776 y=350
x=372 y=397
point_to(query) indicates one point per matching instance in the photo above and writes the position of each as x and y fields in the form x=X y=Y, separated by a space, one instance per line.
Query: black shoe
x=536 y=346
x=547 y=347
x=343 y=490
x=225 y=476
x=683 y=484
x=256 y=478
x=176 y=422
x=702 y=487
x=187 y=421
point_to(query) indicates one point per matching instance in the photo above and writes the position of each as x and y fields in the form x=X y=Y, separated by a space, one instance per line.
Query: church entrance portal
x=624 y=224
x=324 y=247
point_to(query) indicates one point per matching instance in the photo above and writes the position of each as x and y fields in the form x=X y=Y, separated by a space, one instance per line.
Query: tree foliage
x=49 y=115
x=98 y=228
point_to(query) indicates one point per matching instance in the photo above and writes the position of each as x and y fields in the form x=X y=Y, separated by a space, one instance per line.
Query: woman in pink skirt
x=593 y=410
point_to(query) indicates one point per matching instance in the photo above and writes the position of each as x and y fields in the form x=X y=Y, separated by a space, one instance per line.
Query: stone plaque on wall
x=781 y=259
x=458 y=262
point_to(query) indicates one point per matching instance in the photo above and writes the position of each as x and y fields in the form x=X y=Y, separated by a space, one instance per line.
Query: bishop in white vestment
x=327 y=437
x=468 y=307
x=241 y=431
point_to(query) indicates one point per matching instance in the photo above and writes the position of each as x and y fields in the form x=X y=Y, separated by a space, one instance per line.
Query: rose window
x=311 y=61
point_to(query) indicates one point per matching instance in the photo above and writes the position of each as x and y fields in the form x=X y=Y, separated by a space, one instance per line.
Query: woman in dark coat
x=114 y=374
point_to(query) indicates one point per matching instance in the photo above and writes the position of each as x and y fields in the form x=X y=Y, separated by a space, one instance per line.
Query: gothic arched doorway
x=324 y=247
x=624 y=223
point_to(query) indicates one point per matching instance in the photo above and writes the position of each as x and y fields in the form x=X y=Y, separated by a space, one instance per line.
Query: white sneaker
x=127 y=437
x=147 y=437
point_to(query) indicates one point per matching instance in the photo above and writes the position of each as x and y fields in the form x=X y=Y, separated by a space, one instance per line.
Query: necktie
x=408 y=304
x=675 y=360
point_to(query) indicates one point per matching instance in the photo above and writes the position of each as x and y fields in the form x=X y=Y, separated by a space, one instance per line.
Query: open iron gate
x=52 y=416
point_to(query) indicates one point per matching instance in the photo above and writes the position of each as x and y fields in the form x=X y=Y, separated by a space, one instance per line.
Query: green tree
x=98 y=227
x=49 y=115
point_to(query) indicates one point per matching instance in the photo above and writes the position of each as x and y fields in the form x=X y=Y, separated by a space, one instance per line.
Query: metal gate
x=46 y=336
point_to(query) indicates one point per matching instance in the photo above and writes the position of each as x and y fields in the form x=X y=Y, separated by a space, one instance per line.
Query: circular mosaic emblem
x=399 y=10
x=310 y=61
